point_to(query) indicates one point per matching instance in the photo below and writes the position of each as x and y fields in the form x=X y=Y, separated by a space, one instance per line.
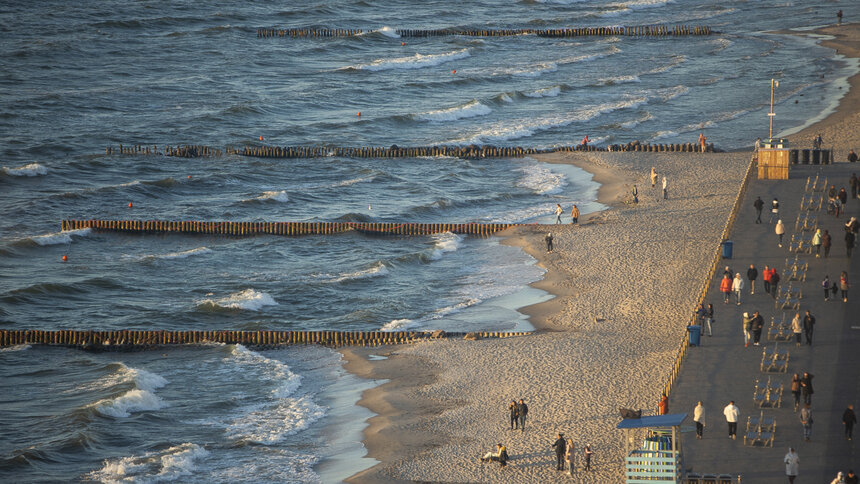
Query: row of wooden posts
x=631 y=31
x=282 y=228
x=394 y=151
x=120 y=340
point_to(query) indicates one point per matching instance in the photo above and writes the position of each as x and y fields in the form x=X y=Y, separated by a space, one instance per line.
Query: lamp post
x=773 y=85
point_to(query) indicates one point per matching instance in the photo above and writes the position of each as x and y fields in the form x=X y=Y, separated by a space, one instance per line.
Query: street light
x=773 y=85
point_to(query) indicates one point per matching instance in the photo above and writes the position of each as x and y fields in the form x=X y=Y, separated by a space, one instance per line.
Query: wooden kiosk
x=652 y=449
x=773 y=159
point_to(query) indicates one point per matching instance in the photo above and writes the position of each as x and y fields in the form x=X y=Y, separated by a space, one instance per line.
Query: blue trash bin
x=727 y=249
x=695 y=334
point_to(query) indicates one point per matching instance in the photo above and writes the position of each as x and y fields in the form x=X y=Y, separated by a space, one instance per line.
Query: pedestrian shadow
x=531 y=459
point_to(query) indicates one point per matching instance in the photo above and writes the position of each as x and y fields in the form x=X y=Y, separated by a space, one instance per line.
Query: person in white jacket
x=780 y=230
x=738 y=286
x=792 y=464
x=732 y=413
x=699 y=418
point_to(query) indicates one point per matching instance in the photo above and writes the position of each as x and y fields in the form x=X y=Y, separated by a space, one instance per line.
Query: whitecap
x=545 y=92
x=278 y=196
x=377 y=270
x=15 y=348
x=64 y=237
x=163 y=465
x=33 y=169
x=248 y=299
x=269 y=423
x=183 y=254
x=635 y=122
x=541 y=179
x=416 y=61
x=443 y=243
x=469 y=110
x=399 y=325
x=131 y=401
x=388 y=32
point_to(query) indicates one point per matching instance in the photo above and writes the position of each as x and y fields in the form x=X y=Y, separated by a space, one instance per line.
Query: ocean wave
x=545 y=92
x=675 y=62
x=635 y=122
x=672 y=92
x=388 y=32
x=33 y=169
x=416 y=61
x=249 y=299
x=15 y=348
x=141 y=398
x=286 y=382
x=180 y=255
x=156 y=466
x=541 y=179
x=641 y=4
x=469 y=110
x=274 y=195
x=400 y=325
x=377 y=270
x=444 y=243
x=64 y=237
x=609 y=81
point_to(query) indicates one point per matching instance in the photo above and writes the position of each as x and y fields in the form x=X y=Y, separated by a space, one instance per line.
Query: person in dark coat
x=795 y=389
x=752 y=275
x=849 y=242
x=848 y=420
x=522 y=412
x=808 y=326
x=853 y=183
x=843 y=196
x=806 y=387
x=826 y=242
x=759 y=205
x=560 y=447
x=757 y=325
x=512 y=407
x=774 y=282
x=548 y=239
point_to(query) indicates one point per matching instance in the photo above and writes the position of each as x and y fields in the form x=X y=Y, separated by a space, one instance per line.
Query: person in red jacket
x=726 y=287
x=765 y=276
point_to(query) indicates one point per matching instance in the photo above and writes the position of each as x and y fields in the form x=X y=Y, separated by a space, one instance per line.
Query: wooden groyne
x=132 y=340
x=394 y=151
x=281 y=228
x=624 y=31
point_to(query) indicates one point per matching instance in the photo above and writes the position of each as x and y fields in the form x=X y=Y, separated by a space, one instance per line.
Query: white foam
x=33 y=169
x=455 y=308
x=641 y=4
x=64 y=237
x=269 y=424
x=541 y=179
x=184 y=254
x=399 y=325
x=273 y=370
x=416 y=61
x=545 y=92
x=15 y=348
x=672 y=92
x=388 y=32
x=506 y=98
x=158 y=466
x=675 y=62
x=445 y=242
x=278 y=196
x=635 y=122
x=141 y=398
x=663 y=134
x=249 y=299
x=377 y=270
x=621 y=79
x=469 y=110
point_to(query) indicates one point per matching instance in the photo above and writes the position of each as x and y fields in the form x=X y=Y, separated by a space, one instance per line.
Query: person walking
x=738 y=287
x=560 y=447
x=792 y=465
x=548 y=239
x=635 y=194
x=759 y=205
x=774 y=282
x=558 y=212
x=806 y=387
x=512 y=408
x=732 y=413
x=699 y=418
x=747 y=327
x=587 y=452
x=808 y=326
x=852 y=156
x=774 y=211
x=844 y=285
x=765 y=276
x=826 y=285
x=574 y=215
x=757 y=326
x=726 y=288
x=709 y=318
x=522 y=413
x=665 y=188
x=653 y=177
x=842 y=196
x=852 y=182
x=795 y=389
x=826 y=242
x=702 y=142
x=851 y=478
x=752 y=275
x=816 y=242
x=849 y=242
x=839 y=17
x=796 y=328
x=848 y=420
x=570 y=457
x=806 y=421
x=780 y=230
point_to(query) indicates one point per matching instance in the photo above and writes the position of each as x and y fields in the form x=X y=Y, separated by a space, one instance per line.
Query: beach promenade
x=723 y=369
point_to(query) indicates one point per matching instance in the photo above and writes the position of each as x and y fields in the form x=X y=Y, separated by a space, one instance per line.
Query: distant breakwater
x=282 y=228
x=136 y=340
x=628 y=31
x=394 y=151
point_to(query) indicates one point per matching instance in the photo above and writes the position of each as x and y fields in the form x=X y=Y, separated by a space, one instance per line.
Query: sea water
x=77 y=78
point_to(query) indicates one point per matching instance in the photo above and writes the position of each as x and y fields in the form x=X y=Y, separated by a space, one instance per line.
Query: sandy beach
x=626 y=280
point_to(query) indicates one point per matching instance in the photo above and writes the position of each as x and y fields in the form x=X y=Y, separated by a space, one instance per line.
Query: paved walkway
x=722 y=369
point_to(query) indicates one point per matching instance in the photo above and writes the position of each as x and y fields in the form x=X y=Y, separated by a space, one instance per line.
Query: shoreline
x=433 y=392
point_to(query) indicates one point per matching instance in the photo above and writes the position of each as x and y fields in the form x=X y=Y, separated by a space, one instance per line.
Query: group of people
x=730 y=286
x=565 y=454
x=758 y=204
x=574 y=214
x=654 y=176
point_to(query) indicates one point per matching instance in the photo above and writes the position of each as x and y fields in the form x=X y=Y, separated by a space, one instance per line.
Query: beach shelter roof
x=670 y=420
